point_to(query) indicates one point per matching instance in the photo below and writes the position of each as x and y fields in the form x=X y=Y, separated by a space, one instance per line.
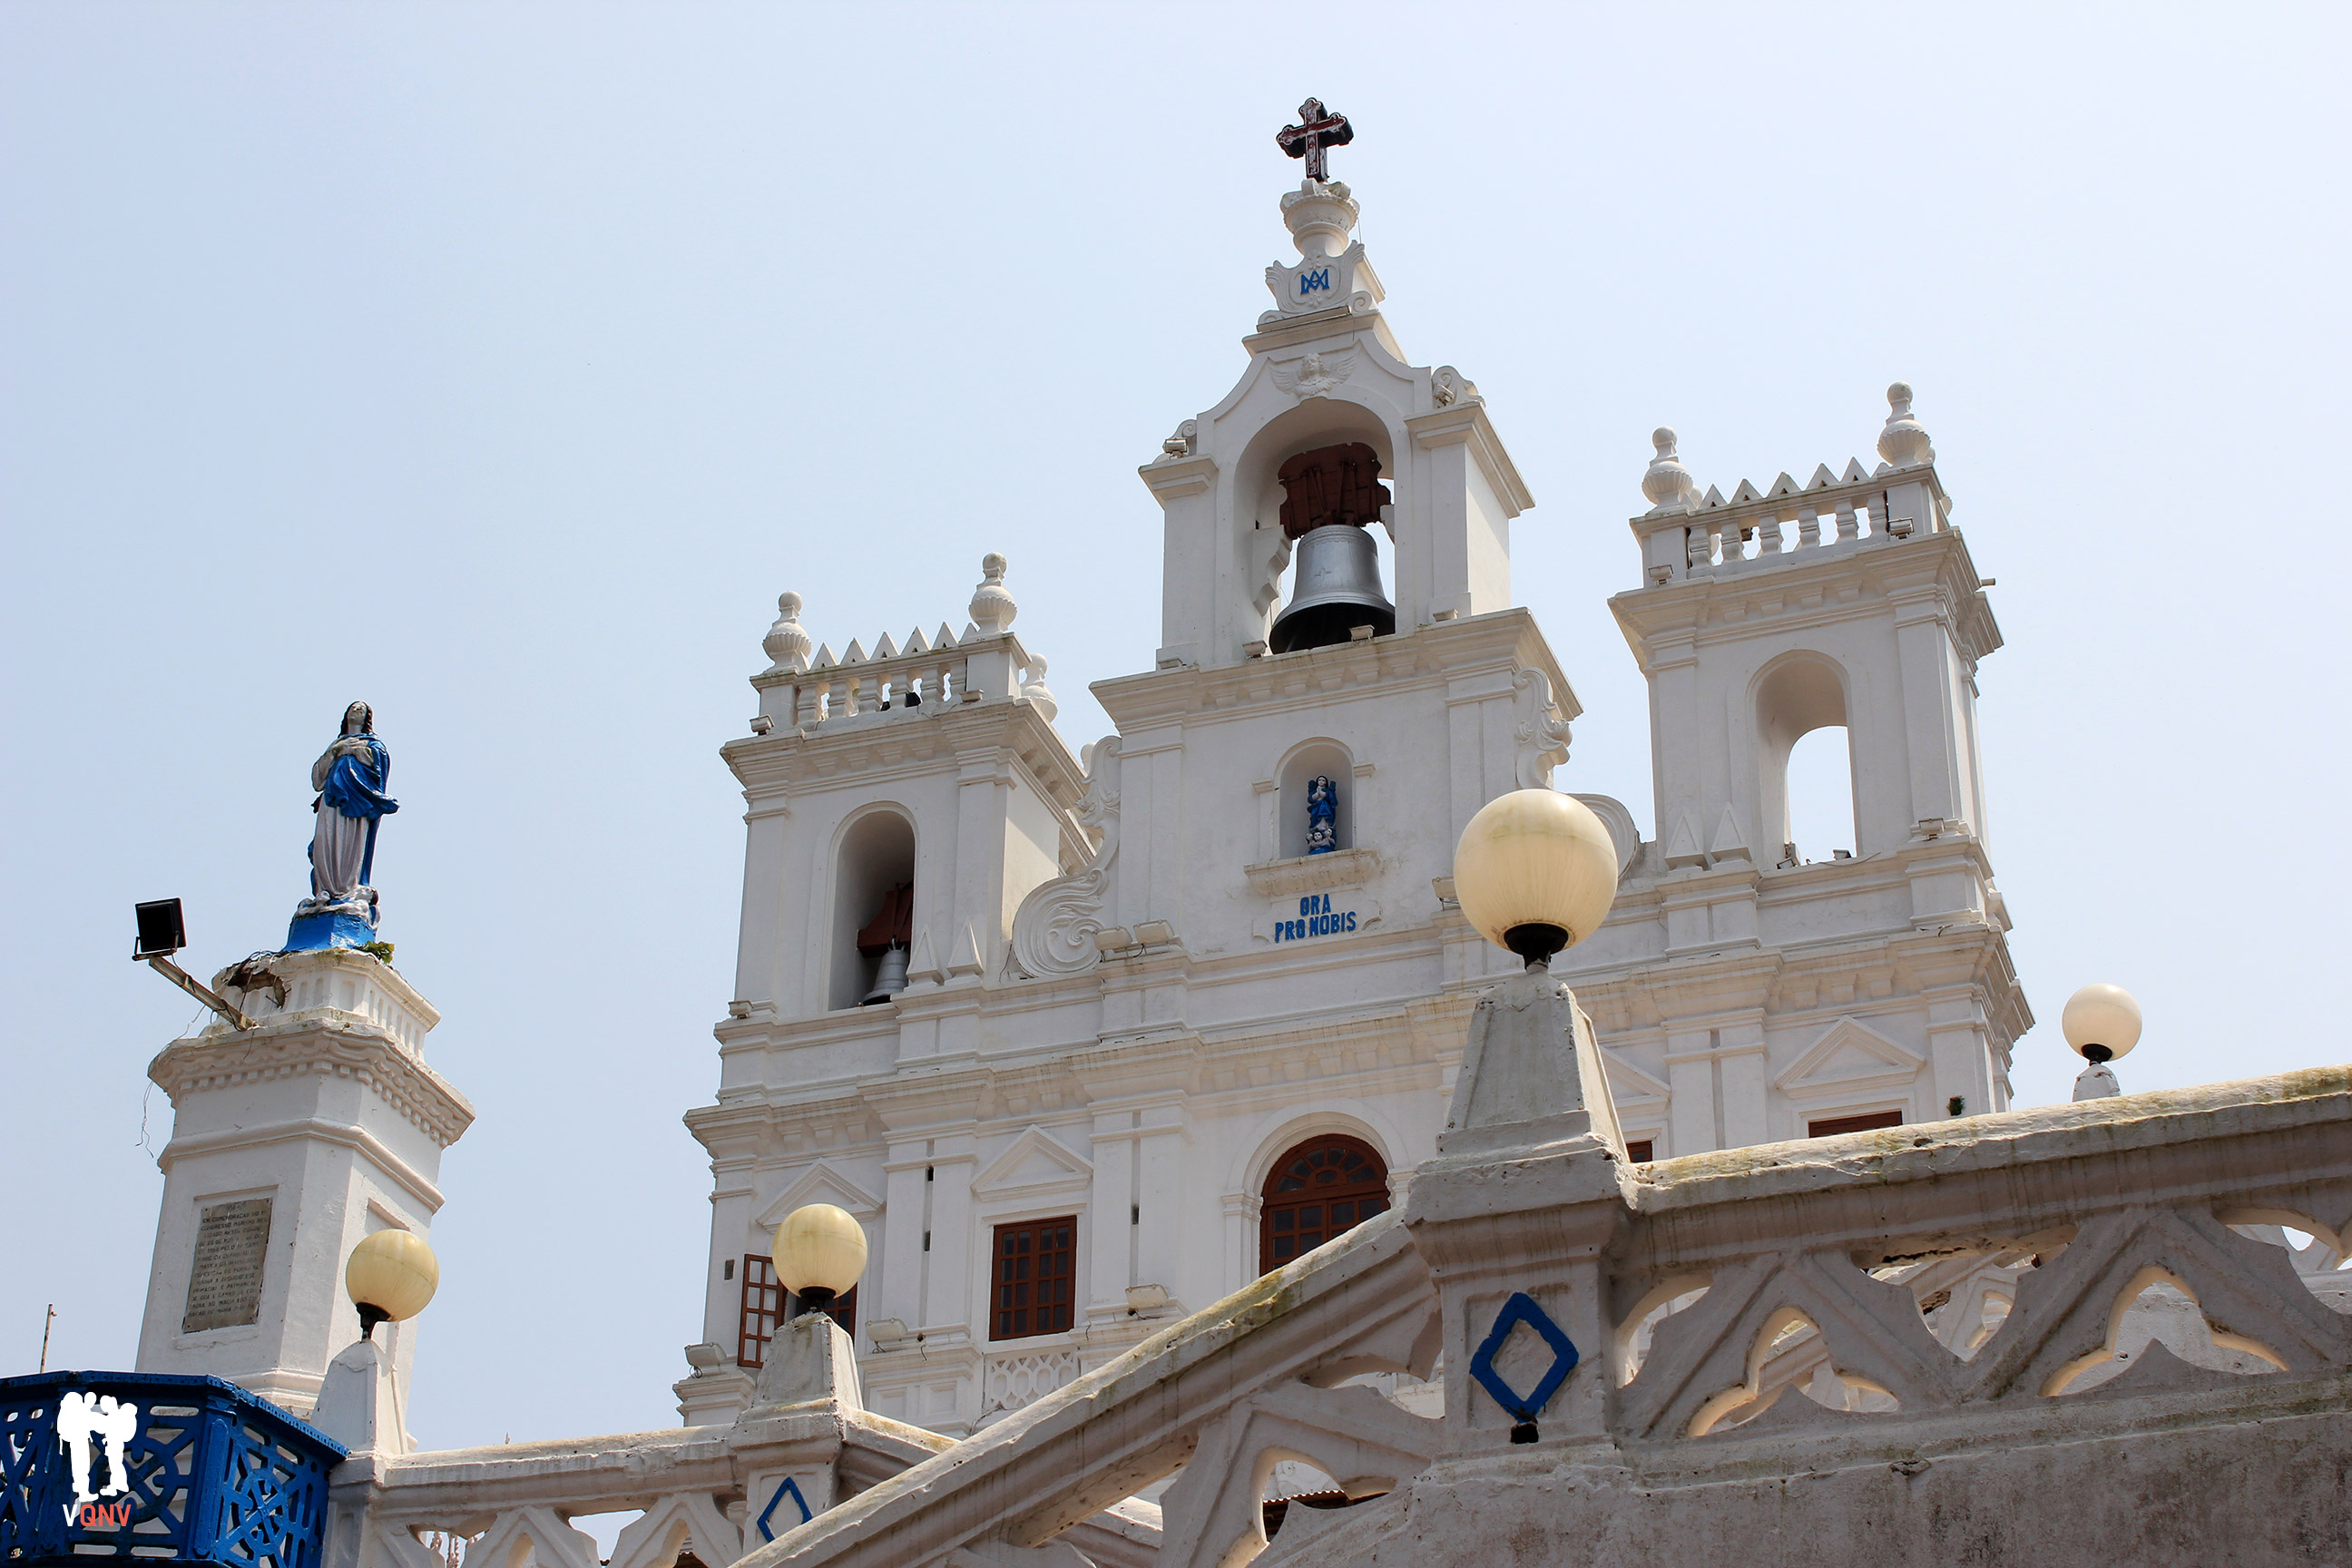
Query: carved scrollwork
x=1539 y=732
x=1053 y=930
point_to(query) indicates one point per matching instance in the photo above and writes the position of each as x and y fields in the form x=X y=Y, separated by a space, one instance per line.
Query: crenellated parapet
x=1687 y=535
x=806 y=684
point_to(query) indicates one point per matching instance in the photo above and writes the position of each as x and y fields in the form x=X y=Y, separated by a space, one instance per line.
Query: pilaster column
x=952 y=1288
x=905 y=1218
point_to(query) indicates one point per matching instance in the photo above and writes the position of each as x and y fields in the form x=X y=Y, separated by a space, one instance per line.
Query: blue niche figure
x=349 y=776
x=1322 y=815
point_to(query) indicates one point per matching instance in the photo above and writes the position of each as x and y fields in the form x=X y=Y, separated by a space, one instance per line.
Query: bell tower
x=1766 y=988
x=1407 y=450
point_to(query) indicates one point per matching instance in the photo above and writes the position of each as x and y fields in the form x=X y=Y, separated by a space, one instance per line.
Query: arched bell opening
x=873 y=909
x=1807 y=790
x=1313 y=490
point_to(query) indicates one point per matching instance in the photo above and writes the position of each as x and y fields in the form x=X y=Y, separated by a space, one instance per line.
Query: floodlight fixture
x=163 y=933
x=162 y=930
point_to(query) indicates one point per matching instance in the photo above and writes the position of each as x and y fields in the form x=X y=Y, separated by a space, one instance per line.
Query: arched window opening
x=1305 y=829
x=1798 y=697
x=1323 y=1188
x=1820 y=797
x=873 y=909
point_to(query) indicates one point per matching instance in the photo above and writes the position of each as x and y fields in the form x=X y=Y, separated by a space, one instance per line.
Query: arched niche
x=1308 y=761
x=1795 y=695
x=1257 y=496
x=875 y=853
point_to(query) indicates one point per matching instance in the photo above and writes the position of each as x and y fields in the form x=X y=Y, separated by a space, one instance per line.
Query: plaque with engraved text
x=224 y=1282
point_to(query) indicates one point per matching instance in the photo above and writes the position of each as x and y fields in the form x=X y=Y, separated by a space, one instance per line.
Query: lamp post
x=391 y=1274
x=1524 y=1191
x=1536 y=872
x=820 y=1251
x=2100 y=1022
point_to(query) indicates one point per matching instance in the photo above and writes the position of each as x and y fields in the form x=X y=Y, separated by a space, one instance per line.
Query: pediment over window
x=819 y=1183
x=1849 y=1053
x=1629 y=1085
x=1036 y=1163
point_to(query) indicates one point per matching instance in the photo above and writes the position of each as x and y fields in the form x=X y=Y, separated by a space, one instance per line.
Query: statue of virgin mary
x=349 y=776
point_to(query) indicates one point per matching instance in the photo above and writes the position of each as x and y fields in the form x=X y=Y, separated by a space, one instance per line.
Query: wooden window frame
x=1273 y=1205
x=1015 y=1310
x=761 y=1308
x=757 y=1319
x=1866 y=1122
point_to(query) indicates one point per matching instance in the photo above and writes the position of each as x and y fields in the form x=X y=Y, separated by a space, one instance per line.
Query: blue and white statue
x=349 y=776
x=1322 y=815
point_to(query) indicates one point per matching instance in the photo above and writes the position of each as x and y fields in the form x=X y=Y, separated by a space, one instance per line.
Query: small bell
x=890 y=978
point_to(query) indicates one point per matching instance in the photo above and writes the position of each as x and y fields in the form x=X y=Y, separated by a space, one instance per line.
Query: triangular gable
x=1628 y=1083
x=819 y=1183
x=1036 y=1162
x=1848 y=1050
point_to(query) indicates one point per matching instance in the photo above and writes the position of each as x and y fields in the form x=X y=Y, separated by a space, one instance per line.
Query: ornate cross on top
x=1318 y=130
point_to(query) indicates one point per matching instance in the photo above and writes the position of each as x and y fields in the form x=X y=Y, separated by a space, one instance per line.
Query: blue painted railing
x=215 y=1476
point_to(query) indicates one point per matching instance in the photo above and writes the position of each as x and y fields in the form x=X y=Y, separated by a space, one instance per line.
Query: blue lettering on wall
x=1319 y=279
x=1315 y=917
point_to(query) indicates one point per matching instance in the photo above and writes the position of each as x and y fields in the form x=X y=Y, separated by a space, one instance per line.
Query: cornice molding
x=318 y=1042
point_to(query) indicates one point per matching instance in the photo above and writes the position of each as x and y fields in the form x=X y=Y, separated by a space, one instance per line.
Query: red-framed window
x=764 y=1305
x=1638 y=1150
x=1831 y=1127
x=1033 y=1278
x=1324 y=1187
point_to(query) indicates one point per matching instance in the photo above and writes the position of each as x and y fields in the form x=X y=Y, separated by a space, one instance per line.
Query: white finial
x=1904 y=442
x=992 y=608
x=1667 y=484
x=787 y=644
x=1033 y=686
x=1319 y=217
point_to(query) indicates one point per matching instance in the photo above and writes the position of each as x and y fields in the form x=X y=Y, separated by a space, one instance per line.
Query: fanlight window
x=1323 y=1188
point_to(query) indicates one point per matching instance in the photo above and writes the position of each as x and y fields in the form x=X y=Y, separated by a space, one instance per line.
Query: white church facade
x=1228 y=1195
x=1135 y=1020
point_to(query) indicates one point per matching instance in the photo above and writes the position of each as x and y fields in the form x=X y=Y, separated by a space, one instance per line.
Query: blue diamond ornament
x=1522 y=1309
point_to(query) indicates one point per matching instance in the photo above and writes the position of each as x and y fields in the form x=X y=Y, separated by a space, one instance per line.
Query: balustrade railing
x=1831 y=1306
x=923 y=676
x=1790 y=524
x=104 y=1465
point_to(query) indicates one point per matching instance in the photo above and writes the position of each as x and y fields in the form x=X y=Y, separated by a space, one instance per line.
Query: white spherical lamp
x=391 y=1274
x=2101 y=1022
x=819 y=1252
x=1536 y=872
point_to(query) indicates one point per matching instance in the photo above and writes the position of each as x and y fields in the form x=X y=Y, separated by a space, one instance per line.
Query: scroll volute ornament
x=1332 y=485
x=893 y=925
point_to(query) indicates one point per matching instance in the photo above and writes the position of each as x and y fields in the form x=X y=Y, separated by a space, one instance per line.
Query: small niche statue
x=349 y=776
x=1322 y=815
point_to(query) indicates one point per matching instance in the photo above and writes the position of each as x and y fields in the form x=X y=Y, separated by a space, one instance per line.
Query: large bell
x=1337 y=588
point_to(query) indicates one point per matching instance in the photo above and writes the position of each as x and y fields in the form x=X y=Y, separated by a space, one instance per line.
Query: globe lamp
x=820 y=1251
x=1536 y=872
x=2100 y=1022
x=391 y=1274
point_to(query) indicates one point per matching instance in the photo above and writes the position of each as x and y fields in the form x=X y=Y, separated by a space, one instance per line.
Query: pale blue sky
x=500 y=364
